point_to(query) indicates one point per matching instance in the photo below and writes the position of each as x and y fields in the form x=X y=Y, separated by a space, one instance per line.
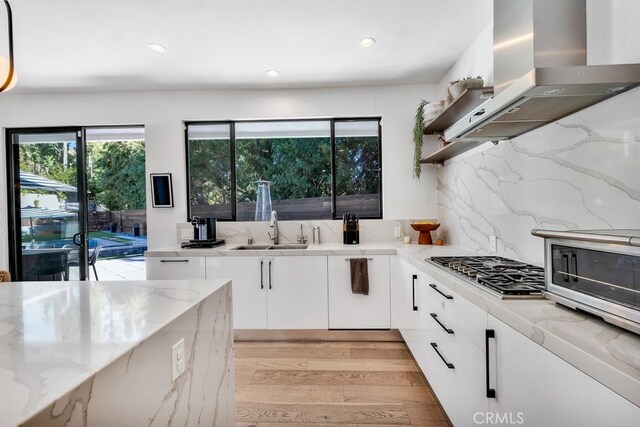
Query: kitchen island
x=100 y=353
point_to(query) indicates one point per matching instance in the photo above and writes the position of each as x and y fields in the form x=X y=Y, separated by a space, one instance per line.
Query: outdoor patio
x=130 y=268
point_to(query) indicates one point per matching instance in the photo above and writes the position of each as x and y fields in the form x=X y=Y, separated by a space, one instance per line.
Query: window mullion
x=232 y=164
x=333 y=169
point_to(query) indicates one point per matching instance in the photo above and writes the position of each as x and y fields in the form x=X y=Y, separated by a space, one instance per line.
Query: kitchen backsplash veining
x=582 y=172
x=330 y=231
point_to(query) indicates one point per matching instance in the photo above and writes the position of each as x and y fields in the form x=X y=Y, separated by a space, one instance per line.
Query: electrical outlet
x=396 y=232
x=493 y=243
x=178 y=359
x=186 y=233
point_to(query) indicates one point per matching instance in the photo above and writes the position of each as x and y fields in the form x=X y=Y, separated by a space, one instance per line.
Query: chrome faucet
x=302 y=239
x=274 y=224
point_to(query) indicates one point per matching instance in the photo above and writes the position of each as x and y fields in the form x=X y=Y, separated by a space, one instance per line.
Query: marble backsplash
x=330 y=231
x=582 y=172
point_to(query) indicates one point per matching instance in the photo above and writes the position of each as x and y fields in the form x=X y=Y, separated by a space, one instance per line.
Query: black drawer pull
x=174 y=260
x=435 y=288
x=435 y=347
x=261 y=274
x=489 y=333
x=435 y=317
x=413 y=289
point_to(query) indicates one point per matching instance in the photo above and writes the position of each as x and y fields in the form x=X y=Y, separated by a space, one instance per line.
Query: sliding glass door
x=47 y=204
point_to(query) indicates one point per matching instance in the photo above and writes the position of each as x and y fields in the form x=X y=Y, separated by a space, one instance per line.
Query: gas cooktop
x=503 y=277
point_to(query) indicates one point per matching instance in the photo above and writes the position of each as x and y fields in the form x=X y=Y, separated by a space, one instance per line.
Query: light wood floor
x=331 y=384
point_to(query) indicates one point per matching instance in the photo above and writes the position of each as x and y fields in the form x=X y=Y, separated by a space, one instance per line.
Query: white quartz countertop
x=320 y=249
x=55 y=335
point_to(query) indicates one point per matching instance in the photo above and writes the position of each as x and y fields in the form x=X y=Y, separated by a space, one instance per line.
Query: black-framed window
x=311 y=168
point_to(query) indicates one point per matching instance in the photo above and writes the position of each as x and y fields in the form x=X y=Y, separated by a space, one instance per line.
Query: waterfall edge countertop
x=55 y=335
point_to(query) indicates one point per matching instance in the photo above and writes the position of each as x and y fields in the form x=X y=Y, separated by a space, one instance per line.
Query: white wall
x=477 y=60
x=163 y=114
x=612 y=32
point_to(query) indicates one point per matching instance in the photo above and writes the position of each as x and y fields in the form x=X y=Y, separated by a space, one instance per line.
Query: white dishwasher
x=355 y=311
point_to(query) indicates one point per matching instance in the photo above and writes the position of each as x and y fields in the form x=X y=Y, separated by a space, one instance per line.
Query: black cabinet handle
x=574 y=257
x=174 y=260
x=565 y=257
x=489 y=333
x=435 y=317
x=414 y=278
x=435 y=347
x=269 y=274
x=435 y=288
x=261 y=274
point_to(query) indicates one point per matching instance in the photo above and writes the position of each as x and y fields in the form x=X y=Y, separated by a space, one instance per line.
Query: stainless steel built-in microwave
x=597 y=271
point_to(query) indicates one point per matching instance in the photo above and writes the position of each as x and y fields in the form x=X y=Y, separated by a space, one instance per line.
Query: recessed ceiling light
x=367 y=42
x=156 y=47
x=273 y=73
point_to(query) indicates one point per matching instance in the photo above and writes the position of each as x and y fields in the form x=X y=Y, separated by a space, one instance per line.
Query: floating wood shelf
x=460 y=107
x=451 y=150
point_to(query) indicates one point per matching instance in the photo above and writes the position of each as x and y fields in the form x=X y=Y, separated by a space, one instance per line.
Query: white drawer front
x=468 y=319
x=178 y=268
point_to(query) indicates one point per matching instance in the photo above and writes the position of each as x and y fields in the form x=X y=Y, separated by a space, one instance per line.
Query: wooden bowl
x=425 y=232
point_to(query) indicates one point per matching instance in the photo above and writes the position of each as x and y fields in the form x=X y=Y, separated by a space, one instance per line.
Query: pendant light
x=8 y=77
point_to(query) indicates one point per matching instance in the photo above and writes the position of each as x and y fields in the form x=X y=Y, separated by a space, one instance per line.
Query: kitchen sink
x=289 y=246
x=252 y=248
x=284 y=246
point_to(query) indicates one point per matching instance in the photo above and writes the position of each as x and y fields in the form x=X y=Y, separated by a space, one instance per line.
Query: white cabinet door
x=297 y=292
x=404 y=296
x=249 y=288
x=544 y=390
x=179 y=268
x=354 y=311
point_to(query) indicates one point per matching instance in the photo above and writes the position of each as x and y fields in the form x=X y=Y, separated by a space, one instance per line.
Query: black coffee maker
x=204 y=228
x=204 y=234
x=350 y=229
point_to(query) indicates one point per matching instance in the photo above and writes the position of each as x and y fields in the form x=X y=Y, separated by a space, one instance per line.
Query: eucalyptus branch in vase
x=418 y=129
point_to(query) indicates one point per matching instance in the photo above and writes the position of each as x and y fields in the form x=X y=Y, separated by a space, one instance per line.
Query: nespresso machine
x=203 y=228
x=204 y=234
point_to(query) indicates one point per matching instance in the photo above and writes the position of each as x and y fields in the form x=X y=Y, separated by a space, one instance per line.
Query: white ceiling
x=92 y=45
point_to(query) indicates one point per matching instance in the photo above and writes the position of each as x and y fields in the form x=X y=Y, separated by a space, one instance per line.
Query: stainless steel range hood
x=540 y=72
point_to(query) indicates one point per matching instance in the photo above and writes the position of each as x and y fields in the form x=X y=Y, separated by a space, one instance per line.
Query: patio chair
x=93 y=258
x=4 y=276
x=91 y=262
x=47 y=265
x=73 y=255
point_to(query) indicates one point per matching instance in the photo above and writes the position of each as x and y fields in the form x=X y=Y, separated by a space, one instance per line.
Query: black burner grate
x=502 y=275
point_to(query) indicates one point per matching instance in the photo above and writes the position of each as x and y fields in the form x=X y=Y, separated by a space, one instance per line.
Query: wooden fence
x=366 y=205
x=101 y=221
